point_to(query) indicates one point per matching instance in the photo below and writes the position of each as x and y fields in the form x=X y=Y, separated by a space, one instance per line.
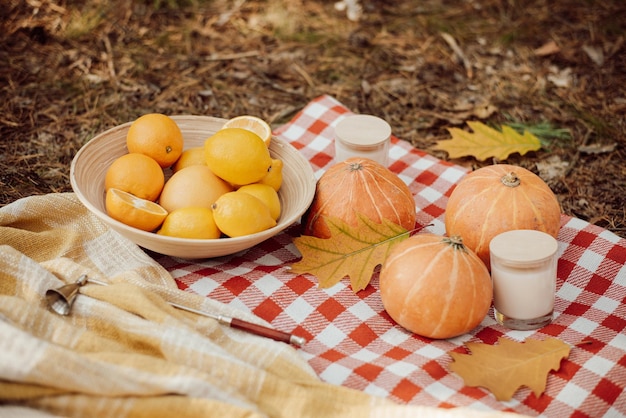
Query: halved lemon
x=252 y=123
x=134 y=211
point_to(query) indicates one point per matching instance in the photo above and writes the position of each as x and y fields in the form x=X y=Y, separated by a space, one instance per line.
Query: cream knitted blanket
x=124 y=351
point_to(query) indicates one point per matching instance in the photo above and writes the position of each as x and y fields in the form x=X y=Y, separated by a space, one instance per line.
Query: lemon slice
x=134 y=211
x=253 y=124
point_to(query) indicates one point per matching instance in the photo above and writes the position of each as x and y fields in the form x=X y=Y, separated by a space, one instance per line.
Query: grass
x=85 y=21
x=545 y=131
x=76 y=70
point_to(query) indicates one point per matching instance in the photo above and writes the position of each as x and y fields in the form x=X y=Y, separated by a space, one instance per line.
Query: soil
x=557 y=68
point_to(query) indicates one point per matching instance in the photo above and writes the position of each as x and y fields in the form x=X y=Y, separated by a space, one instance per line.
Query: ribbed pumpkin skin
x=481 y=207
x=435 y=288
x=359 y=185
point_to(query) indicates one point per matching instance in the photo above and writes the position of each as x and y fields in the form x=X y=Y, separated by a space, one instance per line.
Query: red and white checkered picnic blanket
x=353 y=342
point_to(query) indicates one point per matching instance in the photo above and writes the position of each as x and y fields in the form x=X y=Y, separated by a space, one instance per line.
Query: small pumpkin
x=496 y=199
x=435 y=287
x=359 y=185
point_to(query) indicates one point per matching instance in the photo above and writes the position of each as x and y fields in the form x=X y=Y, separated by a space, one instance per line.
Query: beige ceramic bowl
x=90 y=164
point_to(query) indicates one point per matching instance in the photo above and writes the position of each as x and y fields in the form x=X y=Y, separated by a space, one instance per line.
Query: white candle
x=523 y=270
x=362 y=136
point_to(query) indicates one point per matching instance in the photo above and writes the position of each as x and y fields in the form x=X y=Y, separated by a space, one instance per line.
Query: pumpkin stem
x=455 y=241
x=510 y=180
x=355 y=166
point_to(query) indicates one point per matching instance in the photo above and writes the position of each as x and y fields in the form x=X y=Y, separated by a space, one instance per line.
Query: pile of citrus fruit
x=227 y=187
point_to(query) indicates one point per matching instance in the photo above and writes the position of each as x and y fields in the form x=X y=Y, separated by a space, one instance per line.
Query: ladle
x=60 y=300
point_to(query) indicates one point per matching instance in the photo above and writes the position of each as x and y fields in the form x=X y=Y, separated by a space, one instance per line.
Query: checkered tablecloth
x=353 y=342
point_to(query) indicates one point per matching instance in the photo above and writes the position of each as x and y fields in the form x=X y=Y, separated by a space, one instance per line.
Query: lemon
x=190 y=222
x=195 y=185
x=265 y=194
x=237 y=155
x=274 y=177
x=134 y=211
x=191 y=156
x=237 y=214
x=253 y=124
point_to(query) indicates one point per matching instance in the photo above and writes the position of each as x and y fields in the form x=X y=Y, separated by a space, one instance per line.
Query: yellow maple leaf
x=352 y=251
x=486 y=142
x=505 y=367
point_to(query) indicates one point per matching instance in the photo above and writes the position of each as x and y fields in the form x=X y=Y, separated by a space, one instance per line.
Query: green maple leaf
x=486 y=142
x=352 y=251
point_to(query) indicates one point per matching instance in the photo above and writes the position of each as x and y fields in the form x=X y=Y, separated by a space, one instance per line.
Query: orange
x=157 y=136
x=253 y=124
x=195 y=185
x=133 y=211
x=191 y=156
x=137 y=174
x=190 y=222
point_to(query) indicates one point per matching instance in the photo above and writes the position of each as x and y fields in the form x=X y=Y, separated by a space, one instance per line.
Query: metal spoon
x=60 y=300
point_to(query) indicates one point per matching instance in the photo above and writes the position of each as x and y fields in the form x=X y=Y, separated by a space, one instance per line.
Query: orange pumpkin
x=359 y=185
x=496 y=199
x=435 y=287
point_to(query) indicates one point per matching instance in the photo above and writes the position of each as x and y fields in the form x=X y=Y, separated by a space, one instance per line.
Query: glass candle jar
x=523 y=270
x=362 y=136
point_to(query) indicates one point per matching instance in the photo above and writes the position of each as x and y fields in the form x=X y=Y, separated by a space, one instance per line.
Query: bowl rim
x=258 y=236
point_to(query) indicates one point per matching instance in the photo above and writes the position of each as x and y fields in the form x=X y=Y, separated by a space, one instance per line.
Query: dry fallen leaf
x=560 y=77
x=486 y=142
x=595 y=54
x=350 y=251
x=548 y=48
x=597 y=148
x=552 y=168
x=505 y=367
